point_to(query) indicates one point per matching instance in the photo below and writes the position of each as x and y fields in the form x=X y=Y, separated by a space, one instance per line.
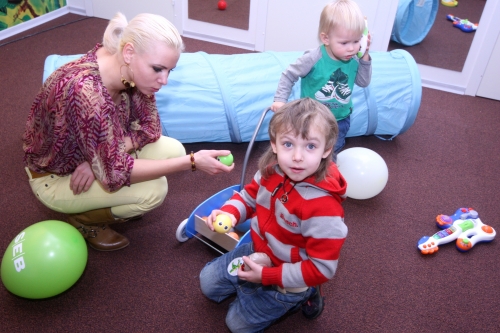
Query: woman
x=93 y=144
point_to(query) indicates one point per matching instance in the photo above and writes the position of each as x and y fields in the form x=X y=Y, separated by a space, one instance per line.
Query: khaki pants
x=54 y=192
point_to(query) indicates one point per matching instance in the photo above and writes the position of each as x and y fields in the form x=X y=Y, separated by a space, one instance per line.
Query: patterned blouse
x=74 y=119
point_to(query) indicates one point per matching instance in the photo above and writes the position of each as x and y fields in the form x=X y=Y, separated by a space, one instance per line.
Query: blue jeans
x=255 y=306
x=344 y=126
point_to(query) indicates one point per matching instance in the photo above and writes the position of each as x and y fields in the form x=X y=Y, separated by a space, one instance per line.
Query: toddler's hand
x=211 y=218
x=276 y=105
x=366 y=56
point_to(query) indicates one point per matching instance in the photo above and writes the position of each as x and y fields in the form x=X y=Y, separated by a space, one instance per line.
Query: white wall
x=106 y=9
x=490 y=83
x=292 y=25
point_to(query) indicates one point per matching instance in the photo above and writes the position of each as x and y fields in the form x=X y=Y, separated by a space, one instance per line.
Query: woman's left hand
x=82 y=178
x=206 y=161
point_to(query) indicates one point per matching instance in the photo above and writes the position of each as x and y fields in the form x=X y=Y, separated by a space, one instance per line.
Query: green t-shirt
x=331 y=82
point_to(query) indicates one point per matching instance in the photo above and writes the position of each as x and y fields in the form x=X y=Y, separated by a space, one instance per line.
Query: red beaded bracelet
x=193 y=166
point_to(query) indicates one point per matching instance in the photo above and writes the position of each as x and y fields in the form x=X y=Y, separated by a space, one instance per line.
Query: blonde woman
x=93 y=144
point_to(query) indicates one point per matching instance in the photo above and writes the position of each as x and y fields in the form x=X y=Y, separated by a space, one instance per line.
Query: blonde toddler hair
x=343 y=13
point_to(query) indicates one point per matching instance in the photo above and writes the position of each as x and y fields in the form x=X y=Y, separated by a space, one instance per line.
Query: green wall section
x=13 y=12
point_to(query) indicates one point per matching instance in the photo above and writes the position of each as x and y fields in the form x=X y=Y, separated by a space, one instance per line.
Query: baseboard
x=218 y=40
x=9 y=32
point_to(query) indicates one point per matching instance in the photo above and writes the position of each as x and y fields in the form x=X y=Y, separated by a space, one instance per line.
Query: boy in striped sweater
x=297 y=221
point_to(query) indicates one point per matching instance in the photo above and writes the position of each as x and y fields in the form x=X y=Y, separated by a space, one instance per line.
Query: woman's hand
x=211 y=218
x=82 y=178
x=253 y=275
x=206 y=161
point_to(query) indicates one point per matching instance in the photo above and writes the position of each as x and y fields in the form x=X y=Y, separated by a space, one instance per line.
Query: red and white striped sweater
x=304 y=236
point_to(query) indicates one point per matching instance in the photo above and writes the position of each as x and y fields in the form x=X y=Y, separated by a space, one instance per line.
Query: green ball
x=44 y=260
x=227 y=160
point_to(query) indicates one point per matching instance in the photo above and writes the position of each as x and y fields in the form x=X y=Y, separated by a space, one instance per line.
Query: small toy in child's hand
x=363 y=43
x=259 y=258
x=445 y=221
x=464 y=25
x=222 y=223
x=227 y=160
x=467 y=233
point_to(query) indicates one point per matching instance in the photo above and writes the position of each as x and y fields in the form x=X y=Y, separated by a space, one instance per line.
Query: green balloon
x=227 y=160
x=44 y=260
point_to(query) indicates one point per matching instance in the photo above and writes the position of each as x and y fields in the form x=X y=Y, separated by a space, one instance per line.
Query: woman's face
x=152 y=68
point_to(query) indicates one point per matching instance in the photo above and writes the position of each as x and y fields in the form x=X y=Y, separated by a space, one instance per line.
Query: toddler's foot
x=313 y=307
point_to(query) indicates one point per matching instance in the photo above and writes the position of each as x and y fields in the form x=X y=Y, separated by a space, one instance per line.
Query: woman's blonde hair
x=297 y=117
x=142 y=31
x=343 y=13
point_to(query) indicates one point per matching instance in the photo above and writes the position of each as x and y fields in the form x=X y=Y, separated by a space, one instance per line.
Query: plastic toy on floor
x=467 y=233
x=445 y=221
x=463 y=24
x=449 y=3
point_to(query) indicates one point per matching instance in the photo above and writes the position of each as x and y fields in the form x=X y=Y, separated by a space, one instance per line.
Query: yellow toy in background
x=449 y=3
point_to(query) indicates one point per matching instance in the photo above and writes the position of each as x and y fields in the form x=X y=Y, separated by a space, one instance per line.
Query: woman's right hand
x=82 y=178
x=206 y=161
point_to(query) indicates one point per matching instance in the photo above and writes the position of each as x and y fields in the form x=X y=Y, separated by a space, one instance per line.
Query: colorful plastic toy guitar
x=463 y=24
x=445 y=221
x=467 y=233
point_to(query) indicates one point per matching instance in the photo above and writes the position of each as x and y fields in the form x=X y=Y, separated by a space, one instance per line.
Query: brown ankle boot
x=94 y=226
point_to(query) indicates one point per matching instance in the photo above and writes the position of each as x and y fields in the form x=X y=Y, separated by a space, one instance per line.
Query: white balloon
x=364 y=170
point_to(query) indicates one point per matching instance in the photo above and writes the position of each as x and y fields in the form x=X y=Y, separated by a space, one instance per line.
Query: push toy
x=449 y=3
x=445 y=221
x=465 y=25
x=222 y=223
x=227 y=160
x=363 y=43
x=467 y=233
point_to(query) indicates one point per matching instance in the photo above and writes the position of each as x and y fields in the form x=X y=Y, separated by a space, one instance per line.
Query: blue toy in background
x=463 y=24
x=445 y=221
x=464 y=226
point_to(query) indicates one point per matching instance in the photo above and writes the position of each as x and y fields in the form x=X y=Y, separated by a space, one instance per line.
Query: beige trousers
x=54 y=192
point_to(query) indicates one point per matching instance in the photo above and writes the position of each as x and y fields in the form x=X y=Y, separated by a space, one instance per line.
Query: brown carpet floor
x=448 y=159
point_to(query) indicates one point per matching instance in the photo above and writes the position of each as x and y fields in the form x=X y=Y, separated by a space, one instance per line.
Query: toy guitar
x=467 y=233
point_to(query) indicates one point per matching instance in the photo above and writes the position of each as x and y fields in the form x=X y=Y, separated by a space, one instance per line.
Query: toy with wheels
x=467 y=233
x=463 y=24
x=195 y=226
x=445 y=221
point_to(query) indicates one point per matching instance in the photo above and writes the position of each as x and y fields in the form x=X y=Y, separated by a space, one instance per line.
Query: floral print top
x=74 y=119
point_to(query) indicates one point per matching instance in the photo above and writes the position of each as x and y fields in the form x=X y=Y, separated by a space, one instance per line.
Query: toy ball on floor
x=221 y=5
x=44 y=260
x=364 y=170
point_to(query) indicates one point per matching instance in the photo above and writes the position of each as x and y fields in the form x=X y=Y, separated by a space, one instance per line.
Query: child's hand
x=276 y=106
x=366 y=56
x=211 y=218
x=253 y=275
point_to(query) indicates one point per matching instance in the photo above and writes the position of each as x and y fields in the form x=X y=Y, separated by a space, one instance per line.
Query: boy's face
x=300 y=158
x=340 y=43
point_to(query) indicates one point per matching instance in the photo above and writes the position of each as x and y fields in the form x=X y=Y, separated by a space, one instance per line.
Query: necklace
x=284 y=196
